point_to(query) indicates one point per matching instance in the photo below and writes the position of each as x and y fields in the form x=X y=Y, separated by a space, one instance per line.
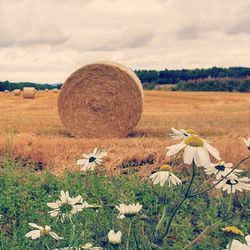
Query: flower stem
x=173 y=162
x=129 y=232
x=230 y=244
x=230 y=202
x=161 y=221
x=162 y=218
x=204 y=191
x=135 y=238
x=186 y=196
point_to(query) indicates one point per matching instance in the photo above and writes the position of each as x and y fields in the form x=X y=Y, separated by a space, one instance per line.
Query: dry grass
x=31 y=129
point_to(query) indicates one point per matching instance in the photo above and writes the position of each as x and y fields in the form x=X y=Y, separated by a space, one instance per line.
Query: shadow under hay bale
x=137 y=134
x=102 y=99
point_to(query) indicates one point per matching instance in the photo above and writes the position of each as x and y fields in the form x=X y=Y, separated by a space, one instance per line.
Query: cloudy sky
x=46 y=40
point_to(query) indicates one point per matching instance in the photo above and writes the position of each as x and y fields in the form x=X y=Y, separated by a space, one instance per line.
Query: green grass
x=24 y=194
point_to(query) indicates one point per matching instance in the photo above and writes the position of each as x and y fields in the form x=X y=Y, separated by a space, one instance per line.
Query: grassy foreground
x=25 y=193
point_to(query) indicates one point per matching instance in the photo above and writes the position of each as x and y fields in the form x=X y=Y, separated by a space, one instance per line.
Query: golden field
x=32 y=130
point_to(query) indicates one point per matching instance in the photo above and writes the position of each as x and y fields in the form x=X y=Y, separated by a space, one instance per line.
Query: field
x=31 y=130
x=38 y=160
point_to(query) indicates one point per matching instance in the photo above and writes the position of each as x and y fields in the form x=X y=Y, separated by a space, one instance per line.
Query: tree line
x=175 y=76
x=6 y=85
x=230 y=85
x=211 y=79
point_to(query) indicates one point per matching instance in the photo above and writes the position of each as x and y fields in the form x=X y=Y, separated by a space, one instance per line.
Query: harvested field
x=32 y=130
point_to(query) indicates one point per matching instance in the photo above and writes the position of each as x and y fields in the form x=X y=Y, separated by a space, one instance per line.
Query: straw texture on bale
x=29 y=93
x=17 y=92
x=103 y=99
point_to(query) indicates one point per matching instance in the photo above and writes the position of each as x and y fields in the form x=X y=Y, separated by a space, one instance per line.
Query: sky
x=46 y=40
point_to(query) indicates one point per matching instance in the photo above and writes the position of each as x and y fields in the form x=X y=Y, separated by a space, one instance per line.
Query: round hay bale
x=29 y=93
x=17 y=92
x=102 y=99
x=55 y=90
x=46 y=90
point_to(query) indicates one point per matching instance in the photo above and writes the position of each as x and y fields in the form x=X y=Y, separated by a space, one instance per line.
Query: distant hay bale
x=103 y=99
x=46 y=90
x=17 y=92
x=29 y=93
x=55 y=90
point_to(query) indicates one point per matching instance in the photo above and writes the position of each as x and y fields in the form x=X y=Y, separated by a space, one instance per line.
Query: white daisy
x=232 y=184
x=221 y=169
x=247 y=142
x=115 y=238
x=237 y=245
x=41 y=231
x=89 y=246
x=128 y=210
x=66 y=206
x=195 y=148
x=165 y=175
x=90 y=161
x=181 y=133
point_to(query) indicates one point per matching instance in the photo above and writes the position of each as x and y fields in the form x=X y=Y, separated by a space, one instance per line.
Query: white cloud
x=46 y=40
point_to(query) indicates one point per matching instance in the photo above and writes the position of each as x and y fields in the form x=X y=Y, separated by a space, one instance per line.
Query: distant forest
x=211 y=79
x=6 y=85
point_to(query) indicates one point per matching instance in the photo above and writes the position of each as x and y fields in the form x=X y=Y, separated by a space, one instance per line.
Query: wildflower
x=233 y=230
x=232 y=184
x=165 y=175
x=128 y=210
x=247 y=142
x=89 y=246
x=220 y=169
x=237 y=245
x=66 y=206
x=195 y=149
x=90 y=161
x=41 y=231
x=181 y=133
x=115 y=238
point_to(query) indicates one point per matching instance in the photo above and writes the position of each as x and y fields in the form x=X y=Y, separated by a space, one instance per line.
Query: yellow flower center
x=221 y=163
x=194 y=141
x=233 y=230
x=45 y=231
x=191 y=131
x=165 y=168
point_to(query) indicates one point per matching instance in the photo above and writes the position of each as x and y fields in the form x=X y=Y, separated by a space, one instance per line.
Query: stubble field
x=31 y=130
